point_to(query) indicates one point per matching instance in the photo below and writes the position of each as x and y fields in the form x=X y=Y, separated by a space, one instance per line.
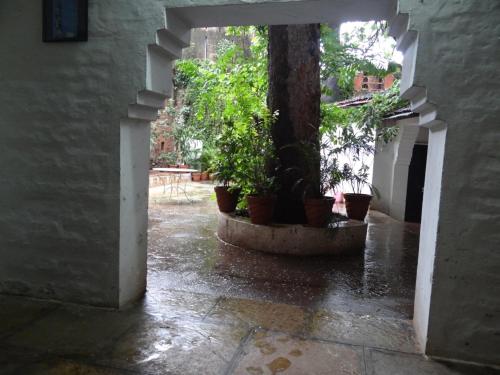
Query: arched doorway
x=169 y=42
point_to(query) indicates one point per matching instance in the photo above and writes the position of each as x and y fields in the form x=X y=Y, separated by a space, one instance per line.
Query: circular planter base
x=348 y=237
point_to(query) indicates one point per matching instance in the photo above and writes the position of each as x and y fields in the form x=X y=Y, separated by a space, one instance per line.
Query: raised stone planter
x=347 y=238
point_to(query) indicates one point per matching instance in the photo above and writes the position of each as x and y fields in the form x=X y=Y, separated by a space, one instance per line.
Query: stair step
x=159 y=77
x=169 y=43
x=142 y=112
x=152 y=99
x=127 y=121
x=399 y=25
x=178 y=28
x=159 y=50
x=406 y=40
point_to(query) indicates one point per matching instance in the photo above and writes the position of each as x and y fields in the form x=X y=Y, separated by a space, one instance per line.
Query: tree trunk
x=295 y=93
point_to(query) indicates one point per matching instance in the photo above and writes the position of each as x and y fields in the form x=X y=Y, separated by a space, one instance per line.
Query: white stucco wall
x=458 y=62
x=390 y=168
x=60 y=110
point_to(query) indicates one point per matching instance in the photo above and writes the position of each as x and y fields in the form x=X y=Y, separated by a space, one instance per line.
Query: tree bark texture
x=295 y=94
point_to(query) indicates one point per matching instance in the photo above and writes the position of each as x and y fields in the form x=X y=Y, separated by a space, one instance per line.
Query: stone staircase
x=167 y=48
x=407 y=43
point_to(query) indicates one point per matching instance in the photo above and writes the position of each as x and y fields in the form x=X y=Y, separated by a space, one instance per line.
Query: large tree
x=295 y=95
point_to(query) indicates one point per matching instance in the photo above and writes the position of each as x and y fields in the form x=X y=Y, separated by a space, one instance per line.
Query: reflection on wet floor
x=184 y=254
x=212 y=309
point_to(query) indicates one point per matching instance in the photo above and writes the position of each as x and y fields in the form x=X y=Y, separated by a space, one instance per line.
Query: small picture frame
x=65 y=20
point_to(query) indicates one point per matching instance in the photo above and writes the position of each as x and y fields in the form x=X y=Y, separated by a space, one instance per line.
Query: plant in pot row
x=319 y=175
x=357 y=203
x=242 y=163
x=353 y=142
x=258 y=158
x=224 y=168
x=206 y=161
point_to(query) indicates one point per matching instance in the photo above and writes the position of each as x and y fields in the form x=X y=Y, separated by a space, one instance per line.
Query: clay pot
x=261 y=209
x=357 y=205
x=196 y=176
x=204 y=176
x=318 y=211
x=227 y=200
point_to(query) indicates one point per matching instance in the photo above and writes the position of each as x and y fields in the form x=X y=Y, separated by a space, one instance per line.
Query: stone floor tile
x=22 y=362
x=272 y=316
x=64 y=367
x=11 y=361
x=74 y=330
x=184 y=347
x=366 y=330
x=172 y=304
x=16 y=312
x=380 y=362
x=269 y=354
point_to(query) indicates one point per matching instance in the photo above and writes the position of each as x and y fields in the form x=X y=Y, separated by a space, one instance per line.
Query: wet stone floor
x=211 y=309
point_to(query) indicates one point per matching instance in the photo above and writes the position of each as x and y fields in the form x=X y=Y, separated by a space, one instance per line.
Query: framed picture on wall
x=65 y=20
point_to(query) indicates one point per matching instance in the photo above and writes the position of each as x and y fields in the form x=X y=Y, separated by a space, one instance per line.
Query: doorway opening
x=416 y=182
x=186 y=258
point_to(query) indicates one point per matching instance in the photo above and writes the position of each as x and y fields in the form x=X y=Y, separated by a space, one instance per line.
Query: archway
x=168 y=46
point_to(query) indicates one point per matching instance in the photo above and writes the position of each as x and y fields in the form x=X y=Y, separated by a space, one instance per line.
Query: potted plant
x=258 y=156
x=357 y=203
x=224 y=168
x=319 y=175
x=206 y=158
x=196 y=176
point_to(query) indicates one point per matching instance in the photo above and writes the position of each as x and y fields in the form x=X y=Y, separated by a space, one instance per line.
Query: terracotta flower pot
x=227 y=200
x=318 y=211
x=261 y=209
x=204 y=176
x=357 y=205
x=196 y=176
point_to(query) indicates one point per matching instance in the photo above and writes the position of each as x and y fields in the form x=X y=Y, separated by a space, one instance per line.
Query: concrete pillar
x=390 y=169
x=408 y=136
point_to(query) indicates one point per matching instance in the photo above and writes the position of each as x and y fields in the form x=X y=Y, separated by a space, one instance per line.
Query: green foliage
x=359 y=126
x=168 y=158
x=232 y=88
x=207 y=158
x=258 y=157
x=226 y=161
x=343 y=59
x=353 y=131
x=327 y=177
x=224 y=108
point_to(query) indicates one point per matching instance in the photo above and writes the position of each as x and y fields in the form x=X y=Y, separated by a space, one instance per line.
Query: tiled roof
x=399 y=114
x=355 y=102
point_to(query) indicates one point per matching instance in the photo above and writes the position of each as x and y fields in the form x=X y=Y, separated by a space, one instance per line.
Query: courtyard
x=213 y=309
x=287 y=104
